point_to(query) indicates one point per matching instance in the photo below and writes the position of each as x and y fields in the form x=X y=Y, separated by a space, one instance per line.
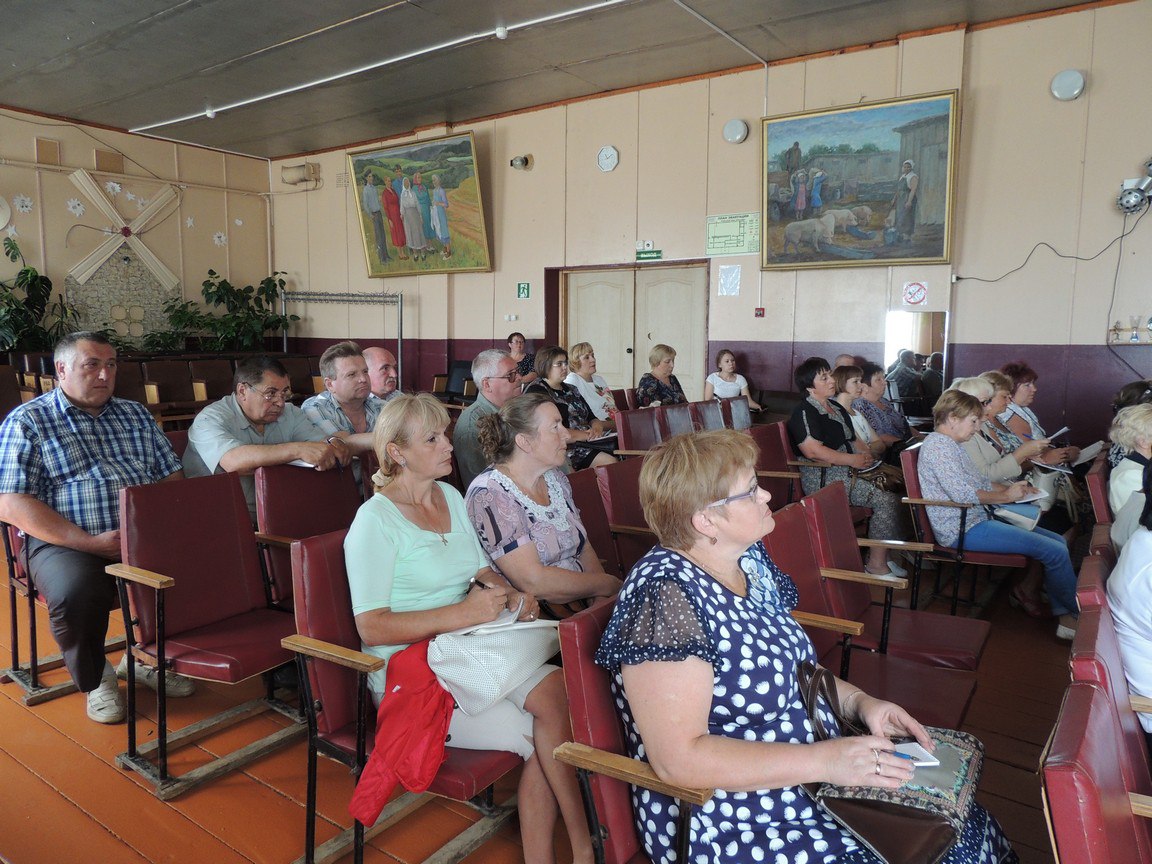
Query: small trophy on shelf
x=1134 y=320
x=1114 y=332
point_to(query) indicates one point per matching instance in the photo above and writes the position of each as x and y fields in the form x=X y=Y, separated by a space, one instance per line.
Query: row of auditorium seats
x=1096 y=769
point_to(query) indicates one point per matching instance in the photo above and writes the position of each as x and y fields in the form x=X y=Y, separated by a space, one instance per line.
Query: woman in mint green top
x=415 y=570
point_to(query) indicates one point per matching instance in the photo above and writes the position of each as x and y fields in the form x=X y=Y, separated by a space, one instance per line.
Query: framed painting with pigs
x=866 y=185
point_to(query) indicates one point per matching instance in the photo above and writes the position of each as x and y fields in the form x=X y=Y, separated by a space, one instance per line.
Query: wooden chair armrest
x=879 y=580
x=358 y=661
x=783 y=475
x=318 y=384
x=827 y=622
x=1141 y=704
x=147 y=578
x=925 y=502
x=629 y=452
x=627 y=769
x=47 y=382
x=275 y=540
x=634 y=530
x=894 y=545
x=452 y=406
x=152 y=392
x=1141 y=804
x=810 y=463
x=199 y=389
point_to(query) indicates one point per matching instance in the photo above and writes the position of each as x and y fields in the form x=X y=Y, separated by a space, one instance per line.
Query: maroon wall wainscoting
x=1076 y=382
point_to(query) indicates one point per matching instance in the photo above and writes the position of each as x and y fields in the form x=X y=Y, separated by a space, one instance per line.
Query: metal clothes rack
x=384 y=298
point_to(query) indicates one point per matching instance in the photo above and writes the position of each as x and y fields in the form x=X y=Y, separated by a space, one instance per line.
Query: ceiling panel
x=131 y=63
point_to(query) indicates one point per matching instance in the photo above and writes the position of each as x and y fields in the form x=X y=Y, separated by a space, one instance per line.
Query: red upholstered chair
x=777 y=477
x=27 y=675
x=640 y=430
x=341 y=719
x=1094 y=814
x=784 y=458
x=1095 y=659
x=211 y=378
x=586 y=497
x=678 y=419
x=709 y=414
x=1097 y=481
x=927 y=637
x=931 y=694
x=1100 y=543
x=191 y=585
x=954 y=555
x=620 y=398
x=620 y=491
x=178 y=438
x=173 y=379
x=598 y=751
x=294 y=502
x=1091 y=582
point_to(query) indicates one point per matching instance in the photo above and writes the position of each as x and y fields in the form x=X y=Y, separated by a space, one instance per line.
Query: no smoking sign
x=915 y=293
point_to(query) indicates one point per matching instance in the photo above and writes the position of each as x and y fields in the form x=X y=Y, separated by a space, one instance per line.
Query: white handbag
x=480 y=665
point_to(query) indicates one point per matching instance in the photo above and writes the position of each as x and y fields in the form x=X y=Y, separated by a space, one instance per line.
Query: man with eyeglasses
x=257 y=425
x=497 y=381
x=64 y=457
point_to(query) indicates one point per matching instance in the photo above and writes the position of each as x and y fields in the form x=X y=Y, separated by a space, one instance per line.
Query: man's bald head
x=382 y=370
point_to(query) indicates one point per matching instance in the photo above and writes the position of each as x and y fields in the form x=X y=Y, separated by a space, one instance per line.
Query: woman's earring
x=712 y=540
x=402 y=463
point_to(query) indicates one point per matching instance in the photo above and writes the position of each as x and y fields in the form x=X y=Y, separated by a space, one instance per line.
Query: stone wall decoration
x=123 y=295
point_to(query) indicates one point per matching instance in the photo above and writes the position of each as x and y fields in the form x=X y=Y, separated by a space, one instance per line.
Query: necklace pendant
x=443 y=540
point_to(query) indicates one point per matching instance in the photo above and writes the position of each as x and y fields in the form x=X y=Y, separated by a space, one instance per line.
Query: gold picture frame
x=421 y=207
x=866 y=185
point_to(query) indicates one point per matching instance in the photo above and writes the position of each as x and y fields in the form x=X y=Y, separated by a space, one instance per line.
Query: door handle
x=627 y=350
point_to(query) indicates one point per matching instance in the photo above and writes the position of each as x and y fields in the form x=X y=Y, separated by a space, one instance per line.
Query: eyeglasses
x=510 y=377
x=270 y=395
x=732 y=499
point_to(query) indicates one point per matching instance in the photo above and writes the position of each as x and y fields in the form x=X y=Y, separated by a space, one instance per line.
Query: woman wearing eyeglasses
x=993 y=460
x=581 y=423
x=703 y=653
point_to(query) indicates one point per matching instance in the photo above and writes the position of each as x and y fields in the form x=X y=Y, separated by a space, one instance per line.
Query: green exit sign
x=522 y=290
x=649 y=255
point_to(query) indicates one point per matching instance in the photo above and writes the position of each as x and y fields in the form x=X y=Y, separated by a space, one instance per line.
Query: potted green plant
x=30 y=320
x=248 y=313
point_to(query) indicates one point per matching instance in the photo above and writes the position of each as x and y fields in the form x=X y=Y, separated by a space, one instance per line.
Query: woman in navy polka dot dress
x=704 y=653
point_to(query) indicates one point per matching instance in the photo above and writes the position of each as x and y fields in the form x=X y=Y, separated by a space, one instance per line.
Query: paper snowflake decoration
x=75 y=207
x=112 y=188
x=131 y=196
x=12 y=231
x=22 y=203
x=220 y=239
x=239 y=221
x=141 y=203
x=190 y=222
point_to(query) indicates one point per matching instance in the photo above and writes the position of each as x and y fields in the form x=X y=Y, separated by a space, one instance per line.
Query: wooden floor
x=62 y=798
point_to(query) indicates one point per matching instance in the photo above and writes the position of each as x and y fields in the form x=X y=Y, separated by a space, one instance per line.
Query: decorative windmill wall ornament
x=128 y=233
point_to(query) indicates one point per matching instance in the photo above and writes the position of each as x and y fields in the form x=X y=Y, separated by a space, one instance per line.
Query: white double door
x=624 y=312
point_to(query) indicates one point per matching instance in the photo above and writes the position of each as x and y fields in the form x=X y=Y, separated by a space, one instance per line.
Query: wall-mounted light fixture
x=294 y=175
x=1134 y=194
x=735 y=131
x=1067 y=85
x=522 y=163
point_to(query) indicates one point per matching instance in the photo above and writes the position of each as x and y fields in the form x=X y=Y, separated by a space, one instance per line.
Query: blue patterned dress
x=669 y=610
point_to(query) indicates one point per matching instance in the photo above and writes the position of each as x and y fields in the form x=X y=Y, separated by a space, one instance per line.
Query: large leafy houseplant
x=30 y=320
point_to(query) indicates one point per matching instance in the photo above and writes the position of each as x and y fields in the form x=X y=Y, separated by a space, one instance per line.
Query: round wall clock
x=608 y=158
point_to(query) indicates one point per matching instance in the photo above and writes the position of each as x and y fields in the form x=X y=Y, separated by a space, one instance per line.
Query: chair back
x=1089 y=811
x=1097 y=482
x=620 y=398
x=833 y=537
x=620 y=491
x=910 y=463
x=739 y=414
x=130 y=381
x=299 y=375
x=775 y=451
x=679 y=419
x=10 y=394
x=596 y=723
x=709 y=414
x=1095 y=659
x=1092 y=581
x=197 y=531
x=178 y=438
x=216 y=375
x=790 y=547
x=641 y=429
x=323 y=610
x=586 y=497
x=173 y=378
x=296 y=502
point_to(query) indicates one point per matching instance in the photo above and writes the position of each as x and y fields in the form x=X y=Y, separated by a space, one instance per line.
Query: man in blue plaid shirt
x=64 y=457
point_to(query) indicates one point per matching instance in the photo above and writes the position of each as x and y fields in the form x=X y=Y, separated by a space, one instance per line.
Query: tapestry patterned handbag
x=918 y=822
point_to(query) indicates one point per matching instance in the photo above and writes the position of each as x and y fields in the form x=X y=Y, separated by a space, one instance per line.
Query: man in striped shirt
x=64 y=457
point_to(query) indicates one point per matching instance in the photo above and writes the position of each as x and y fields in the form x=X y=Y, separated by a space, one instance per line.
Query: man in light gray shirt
x=257 y=425
x=494 y=372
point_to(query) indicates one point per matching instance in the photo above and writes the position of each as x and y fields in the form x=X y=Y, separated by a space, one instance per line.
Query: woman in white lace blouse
x=522 y=506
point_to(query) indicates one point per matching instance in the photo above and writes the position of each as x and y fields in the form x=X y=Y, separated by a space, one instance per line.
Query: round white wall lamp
x=1067 y=85
x=735 y=131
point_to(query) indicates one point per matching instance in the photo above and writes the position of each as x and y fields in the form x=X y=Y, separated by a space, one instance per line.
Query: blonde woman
x=660 y=386
x=582 y=375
